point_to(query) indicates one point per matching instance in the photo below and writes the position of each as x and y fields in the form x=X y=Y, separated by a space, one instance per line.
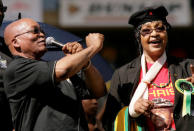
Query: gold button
x=175 y=75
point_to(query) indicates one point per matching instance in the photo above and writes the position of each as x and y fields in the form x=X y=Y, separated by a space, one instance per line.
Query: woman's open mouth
x=155 y=42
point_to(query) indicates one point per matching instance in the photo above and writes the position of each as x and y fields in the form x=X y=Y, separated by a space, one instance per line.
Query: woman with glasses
x=150 y=92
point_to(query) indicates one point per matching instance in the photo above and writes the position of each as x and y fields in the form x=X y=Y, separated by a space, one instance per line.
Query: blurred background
x=109 y=17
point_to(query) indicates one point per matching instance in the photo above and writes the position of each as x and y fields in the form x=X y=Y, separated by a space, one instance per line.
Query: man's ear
x=15 y=43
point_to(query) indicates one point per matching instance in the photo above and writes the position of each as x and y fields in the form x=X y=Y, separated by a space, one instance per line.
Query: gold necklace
x=154 y=84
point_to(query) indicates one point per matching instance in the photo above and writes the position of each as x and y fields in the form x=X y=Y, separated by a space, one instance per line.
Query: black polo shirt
x=37 y=102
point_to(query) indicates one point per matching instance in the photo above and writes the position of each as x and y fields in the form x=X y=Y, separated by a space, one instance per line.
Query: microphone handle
x=61 y=45
x=56 y=43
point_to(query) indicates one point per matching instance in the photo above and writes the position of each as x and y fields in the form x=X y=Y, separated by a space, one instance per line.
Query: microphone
x=52 y=41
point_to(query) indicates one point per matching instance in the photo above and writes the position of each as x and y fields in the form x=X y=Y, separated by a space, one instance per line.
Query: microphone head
x=49 y=40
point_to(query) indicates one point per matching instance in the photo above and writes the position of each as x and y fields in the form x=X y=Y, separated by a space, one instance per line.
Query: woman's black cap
x=147 y=15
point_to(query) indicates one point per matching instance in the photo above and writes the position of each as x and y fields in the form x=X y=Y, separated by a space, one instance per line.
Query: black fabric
x=123 y=85
x=37 y=102
x=185 y=123
x=5 y=113
x=80 y=88
x=4 y=49
x=148 y=14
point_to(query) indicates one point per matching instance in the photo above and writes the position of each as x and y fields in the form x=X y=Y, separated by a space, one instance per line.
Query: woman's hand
x=191 y=79
x=143 y=106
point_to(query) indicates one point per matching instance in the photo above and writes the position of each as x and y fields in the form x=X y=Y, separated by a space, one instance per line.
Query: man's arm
x=71 y=64
x=77 y=57
x=93 y=78
x=94 y=81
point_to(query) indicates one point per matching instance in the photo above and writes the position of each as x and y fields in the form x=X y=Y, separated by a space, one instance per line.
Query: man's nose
x=42 y=34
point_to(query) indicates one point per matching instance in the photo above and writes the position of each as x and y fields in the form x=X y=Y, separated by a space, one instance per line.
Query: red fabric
x=154 y=92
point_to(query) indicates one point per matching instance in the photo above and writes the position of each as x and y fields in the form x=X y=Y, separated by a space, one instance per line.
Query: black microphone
x=52 y=41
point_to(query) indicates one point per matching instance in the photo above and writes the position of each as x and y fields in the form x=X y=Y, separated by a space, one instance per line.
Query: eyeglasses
x=3 y=9
x=36 y=30
x=148 y=31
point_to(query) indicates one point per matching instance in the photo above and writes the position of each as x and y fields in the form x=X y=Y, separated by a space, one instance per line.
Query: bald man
x=5 y=58
x=37 y=99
